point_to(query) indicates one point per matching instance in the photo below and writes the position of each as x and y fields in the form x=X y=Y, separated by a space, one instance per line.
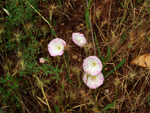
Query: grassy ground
x=117 y=31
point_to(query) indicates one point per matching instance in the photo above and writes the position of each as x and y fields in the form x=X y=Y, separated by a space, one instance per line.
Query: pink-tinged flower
x=41 y=60
x=56 y=47
x=92 y=65
x=79 y=39
x=93 y=82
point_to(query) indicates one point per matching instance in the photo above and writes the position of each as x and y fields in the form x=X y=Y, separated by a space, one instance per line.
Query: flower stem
x=65 y=56
x=45 y=98
x=85 y=48
x=41 y=86
x=65 y=63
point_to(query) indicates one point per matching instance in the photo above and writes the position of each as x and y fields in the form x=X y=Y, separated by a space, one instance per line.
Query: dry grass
x=122 y=26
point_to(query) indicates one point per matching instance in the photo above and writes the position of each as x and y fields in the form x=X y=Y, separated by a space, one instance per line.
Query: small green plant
x=8 y=90
x=59 y=2
x=48 y=69
x=105 y=59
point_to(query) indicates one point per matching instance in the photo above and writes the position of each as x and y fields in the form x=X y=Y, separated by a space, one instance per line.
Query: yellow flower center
x=78 y=40
x=94 y=64
x=93 y=77
x=59 y=47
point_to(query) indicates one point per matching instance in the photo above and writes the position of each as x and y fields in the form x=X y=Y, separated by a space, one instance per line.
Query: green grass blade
x=59 y=2
x=89 y=3
x=108 y=54
x=67 y=59
x=117 y=67
x=57 y=108
x=101 y=57
x=108 y=106
x=87 y=14
x=53 y=32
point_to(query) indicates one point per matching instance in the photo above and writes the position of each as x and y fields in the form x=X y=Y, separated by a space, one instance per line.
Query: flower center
x=78 y=40
x=59 y=47
x=93 y=77
x=94 y=64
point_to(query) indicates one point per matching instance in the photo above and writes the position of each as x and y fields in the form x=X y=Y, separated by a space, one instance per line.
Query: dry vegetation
x=116 y=31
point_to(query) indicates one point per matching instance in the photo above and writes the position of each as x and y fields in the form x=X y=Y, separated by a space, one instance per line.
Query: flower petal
x=92 y=65
x=41 y=60
x=79 y=39
x=93 y=82
x=56 y=47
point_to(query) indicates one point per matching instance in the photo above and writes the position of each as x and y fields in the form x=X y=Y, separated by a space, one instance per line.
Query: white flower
x=56 y=47
x=79 y=39
x=92 y=65
x=41 y=60
x=93 y=82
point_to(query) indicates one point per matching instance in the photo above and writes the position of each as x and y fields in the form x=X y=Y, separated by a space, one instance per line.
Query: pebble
x=107 y=91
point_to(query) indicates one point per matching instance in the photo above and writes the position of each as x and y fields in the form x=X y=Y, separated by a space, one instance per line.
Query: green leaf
x=148 y=9
x=53 y=32
x=117 y=67
x=101 y=57
x=87 y=18
x=89 y=3
x=66 y=56
x=68 y=78
x=122 y=5
x=57 y=109
x=108 y=106
x=123 y=37
x=59 y=1
x=108 y=54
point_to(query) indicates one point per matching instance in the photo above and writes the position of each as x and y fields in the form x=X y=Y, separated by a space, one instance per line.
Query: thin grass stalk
x=88 y=19
x=40 y=16
x=43 y=92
